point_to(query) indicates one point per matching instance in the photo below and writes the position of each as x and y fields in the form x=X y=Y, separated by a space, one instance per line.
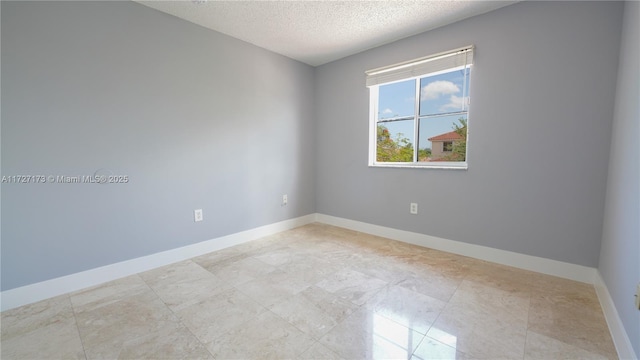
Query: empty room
x=320 y=179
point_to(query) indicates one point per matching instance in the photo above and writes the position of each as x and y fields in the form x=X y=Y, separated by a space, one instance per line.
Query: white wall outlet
x=413 y=208
x=638 y=297
x=197 y=215
x=285 y=199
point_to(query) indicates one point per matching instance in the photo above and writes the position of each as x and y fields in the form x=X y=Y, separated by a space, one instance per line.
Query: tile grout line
x=176 y=315
x=75 y=318
x=526 y=334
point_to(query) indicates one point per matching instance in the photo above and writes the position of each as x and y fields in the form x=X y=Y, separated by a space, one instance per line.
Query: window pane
x=397 y=100
x=443 y=138
x=444 y=93
x=395 y=141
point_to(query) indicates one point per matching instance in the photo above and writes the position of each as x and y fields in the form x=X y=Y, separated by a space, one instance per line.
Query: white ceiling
x=318 y=32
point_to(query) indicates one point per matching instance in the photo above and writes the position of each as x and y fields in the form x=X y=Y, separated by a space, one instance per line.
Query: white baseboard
x=533 y=263
x=618 y=333
x=28 y=294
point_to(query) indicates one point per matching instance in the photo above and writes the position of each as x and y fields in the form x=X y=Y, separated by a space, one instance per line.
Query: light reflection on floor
x=393 y=340
x=396 y=340
x=443 y=336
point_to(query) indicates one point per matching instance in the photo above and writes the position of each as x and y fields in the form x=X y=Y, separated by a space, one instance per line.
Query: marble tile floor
x=317 y=292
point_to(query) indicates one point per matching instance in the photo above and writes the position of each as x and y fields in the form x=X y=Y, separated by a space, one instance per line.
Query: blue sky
x=439 y=94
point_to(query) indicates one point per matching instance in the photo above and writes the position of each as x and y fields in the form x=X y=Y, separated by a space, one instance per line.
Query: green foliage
x=399 y=149
x=424 y=154
x=459 y=151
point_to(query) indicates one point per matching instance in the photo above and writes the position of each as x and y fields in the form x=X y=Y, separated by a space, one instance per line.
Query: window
x=419 y=111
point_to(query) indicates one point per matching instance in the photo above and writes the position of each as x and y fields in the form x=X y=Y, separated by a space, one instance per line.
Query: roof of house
x=450 y=136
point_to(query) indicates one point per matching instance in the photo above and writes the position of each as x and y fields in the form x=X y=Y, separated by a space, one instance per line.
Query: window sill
x=439 y=165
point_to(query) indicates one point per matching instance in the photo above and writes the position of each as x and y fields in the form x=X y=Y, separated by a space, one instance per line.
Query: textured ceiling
x=318 y=32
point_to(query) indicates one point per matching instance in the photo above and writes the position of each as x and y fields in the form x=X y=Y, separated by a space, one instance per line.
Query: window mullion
x=416 y=122
x=395 y=119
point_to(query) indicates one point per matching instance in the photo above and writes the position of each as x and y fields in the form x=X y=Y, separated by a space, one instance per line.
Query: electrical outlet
x=285 y=200
x=413 y=208
x=638 y=297
x=197 y=215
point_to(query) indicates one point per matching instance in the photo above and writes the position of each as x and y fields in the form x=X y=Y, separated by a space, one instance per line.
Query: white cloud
x=455 y=103
x=434 y=89
x=386 y=113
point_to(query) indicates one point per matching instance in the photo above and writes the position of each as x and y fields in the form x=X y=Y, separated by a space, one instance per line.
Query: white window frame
x=415 y=70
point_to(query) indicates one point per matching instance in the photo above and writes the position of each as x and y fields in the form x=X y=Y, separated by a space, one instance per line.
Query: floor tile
x=502 y=277
x=451 y=265
x=409 y=308
x=183 y=284
x=573 y=319
x=540 y=347
x=399 y=251
x=367 y=242
x=431 y=283
x=329 y=303
x=45 y=329
x=552 y=285
x=481 y=300
x=264 y=337
x=270 y=290
x=175 y=273
x=55 y=340
x=490 y=338
x=314 y=311
x=112 y=291
x=328 y=248
x=483 y=322
x=20 y=321
x=105 y=329
x=311 y=270
x=433 y=349
x=352 y=285
x=265 y=293
x=266 y=243
x=318 y=351
x=241 y=271
x=218 y=314
x=281 y=256
x=304 y=316
x=291 y=283
x=216 y=257
x=174 y=341
x=375 y=266
x=367 y=335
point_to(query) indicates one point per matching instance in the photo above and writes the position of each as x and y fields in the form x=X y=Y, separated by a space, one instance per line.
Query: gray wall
x=620 y=253
x=200 y=120
x=542 y=92
x=196 y=119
